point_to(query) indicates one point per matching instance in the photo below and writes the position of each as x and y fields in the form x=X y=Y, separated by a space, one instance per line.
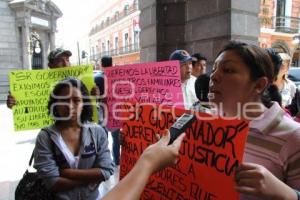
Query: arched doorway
x=37 y=53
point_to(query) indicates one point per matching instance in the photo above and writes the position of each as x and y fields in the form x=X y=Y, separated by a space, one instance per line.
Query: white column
x=26 y=46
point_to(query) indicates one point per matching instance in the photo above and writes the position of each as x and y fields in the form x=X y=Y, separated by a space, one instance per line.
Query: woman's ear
x=261 y=85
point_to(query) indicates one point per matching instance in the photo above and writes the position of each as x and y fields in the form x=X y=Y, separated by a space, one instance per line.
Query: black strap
x=32 y=155
x=31 y=158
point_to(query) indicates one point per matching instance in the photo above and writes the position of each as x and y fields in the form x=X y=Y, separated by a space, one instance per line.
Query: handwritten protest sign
x=157 y=82
x=31 y=89
x=209 y=155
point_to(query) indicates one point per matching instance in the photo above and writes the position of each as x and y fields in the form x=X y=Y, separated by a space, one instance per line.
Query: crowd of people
x=73 y=158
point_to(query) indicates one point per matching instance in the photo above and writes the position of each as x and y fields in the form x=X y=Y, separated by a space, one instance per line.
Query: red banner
x=209 y=155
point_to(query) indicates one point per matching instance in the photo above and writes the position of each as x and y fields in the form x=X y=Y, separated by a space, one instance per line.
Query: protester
x=106 y=61
x=132 y=185
x=202 y=90
x=241 y=74
x=287 y=88
x=199 y=65
x=72 y=156
x=59 y=58
x=273 y=91
x=187 y=86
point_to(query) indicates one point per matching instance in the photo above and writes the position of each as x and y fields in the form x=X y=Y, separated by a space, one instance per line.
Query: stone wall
x=196 y=25
x=10 y=58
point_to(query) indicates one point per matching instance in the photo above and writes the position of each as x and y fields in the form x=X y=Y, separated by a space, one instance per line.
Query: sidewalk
x=15 y=151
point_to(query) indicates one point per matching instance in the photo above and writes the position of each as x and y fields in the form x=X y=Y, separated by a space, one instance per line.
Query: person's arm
x=87 y=175
x=63 y=184
x=256 y=180
x=155 y=157
x=10 y=101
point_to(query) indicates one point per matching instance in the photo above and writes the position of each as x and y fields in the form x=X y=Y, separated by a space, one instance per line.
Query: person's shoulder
x=94 y=127
x=289 y=125
x=46 y=132
x=192 y=79
x=291 y=83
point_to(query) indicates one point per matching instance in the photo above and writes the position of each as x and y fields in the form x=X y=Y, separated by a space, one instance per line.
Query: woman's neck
x=67 y=125
x=247 y=111
x=280 y=82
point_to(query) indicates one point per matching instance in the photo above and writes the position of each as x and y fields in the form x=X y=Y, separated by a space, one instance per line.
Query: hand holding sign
x=254 y=179
x=160 y=155
x=155 y=157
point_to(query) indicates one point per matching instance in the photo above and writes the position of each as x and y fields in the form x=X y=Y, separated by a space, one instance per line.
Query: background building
x=280 y=26
x=115 y=32
x=27 y=34
x=195 y=25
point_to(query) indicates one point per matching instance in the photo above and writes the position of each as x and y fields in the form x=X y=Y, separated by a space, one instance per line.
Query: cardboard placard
x=157 y=82
x=31 y=89
x=209 y=155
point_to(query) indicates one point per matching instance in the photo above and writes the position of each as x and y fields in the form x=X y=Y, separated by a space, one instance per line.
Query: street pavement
x=15 y=151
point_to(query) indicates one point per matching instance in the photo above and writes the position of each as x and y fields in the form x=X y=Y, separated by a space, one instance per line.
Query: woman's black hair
x=202 y=87
x=276 y=59
x=257 y=60
x=87 y=110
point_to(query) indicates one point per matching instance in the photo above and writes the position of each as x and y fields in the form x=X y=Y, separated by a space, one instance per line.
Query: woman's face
x=230 y=84
x=69 y=104
x=284 y=68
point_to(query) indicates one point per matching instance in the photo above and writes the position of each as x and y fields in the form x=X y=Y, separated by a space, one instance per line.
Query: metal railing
x=131 y=9
x=116 y=52
x=281 y=23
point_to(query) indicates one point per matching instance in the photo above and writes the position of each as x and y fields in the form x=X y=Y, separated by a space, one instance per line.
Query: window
x=116 y=45
x=108 y=46
x=136 y=39
x=117 y=15
x=103 y=47
x=280 y=8
x=126 y=41
x=126 y=7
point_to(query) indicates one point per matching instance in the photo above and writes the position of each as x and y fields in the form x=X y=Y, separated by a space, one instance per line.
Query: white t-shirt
x=288 y=92
x=188 y=91
x=71 y=159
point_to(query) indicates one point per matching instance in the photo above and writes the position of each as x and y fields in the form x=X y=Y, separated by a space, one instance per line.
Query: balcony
x=134 y=48
x=281 y=23
x=109 y=21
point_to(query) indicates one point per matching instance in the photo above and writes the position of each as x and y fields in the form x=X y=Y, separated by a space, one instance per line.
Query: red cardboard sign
x=209 y=155
x=157 y=82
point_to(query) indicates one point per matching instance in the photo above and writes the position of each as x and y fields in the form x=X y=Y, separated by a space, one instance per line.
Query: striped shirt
x=274 y=142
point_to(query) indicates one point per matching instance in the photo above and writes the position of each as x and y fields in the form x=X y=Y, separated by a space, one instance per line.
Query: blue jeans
x=116 y=146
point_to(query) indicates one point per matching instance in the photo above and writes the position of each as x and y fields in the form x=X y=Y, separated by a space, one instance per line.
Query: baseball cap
x=57 y=52
x=181 y=55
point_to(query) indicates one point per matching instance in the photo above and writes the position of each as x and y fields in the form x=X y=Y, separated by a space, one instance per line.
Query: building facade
x=27 y=34
x=195 y=25
x=280 y=26
x=115 y=32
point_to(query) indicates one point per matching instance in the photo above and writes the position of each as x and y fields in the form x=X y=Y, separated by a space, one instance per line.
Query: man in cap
x=188 y=89
x=59 y=58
